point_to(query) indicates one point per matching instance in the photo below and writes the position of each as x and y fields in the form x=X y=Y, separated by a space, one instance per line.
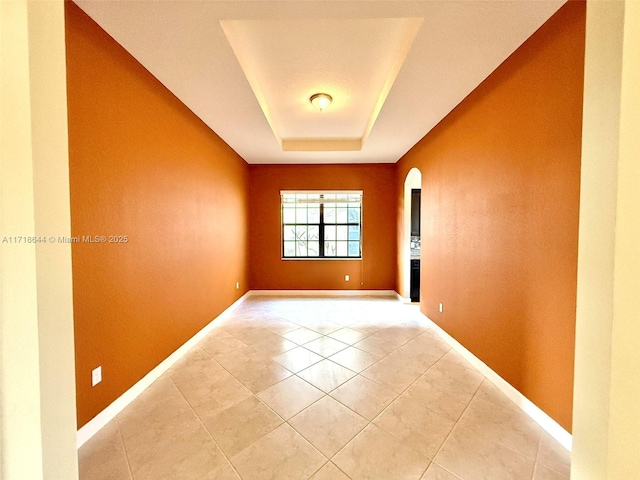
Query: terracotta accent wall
x=143 y=166
x=376 y=270
x=500 y=198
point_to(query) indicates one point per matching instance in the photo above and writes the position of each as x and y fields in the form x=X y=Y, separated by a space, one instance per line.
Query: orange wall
x=143 y=165
x=500 y=194
x=376 y=270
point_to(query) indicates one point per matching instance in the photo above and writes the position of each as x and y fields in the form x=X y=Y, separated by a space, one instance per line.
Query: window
x=319 y=224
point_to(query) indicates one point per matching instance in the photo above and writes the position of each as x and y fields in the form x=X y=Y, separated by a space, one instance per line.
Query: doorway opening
x=411 y=243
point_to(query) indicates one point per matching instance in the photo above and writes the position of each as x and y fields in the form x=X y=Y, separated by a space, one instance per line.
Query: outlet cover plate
x=96 y=376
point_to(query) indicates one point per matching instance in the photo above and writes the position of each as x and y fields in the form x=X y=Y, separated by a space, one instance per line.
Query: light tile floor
x=322 y=389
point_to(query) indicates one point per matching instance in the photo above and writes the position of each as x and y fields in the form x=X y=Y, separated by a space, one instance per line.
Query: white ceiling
x=394 y=68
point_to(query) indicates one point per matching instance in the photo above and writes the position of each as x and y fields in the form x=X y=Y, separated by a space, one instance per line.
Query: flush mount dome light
x=320 y=100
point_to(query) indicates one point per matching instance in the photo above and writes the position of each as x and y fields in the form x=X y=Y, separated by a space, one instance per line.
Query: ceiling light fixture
x=320 y=100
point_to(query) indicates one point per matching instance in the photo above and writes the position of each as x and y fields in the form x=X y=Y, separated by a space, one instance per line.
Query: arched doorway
x=412 y=181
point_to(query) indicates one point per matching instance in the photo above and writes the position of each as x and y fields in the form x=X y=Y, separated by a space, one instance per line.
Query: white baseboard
x=325 y=293
x=552 y=427
x=109 y=413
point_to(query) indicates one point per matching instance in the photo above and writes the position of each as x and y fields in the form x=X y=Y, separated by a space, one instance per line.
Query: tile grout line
x=206 y=430
x=124 y=448
x=535 y=464
x=397 y=396
x=370 y=422
x=508 y=447
x=454 y=427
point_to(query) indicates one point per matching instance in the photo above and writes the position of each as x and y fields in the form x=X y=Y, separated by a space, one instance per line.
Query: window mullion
x=321 y=233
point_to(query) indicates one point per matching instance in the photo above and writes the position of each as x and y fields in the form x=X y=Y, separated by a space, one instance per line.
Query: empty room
x=319 y=240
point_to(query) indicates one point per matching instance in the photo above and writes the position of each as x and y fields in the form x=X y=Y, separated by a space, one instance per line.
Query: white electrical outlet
x=237 y=285
x=96 y=376
x=440 y=308
x=346 y=278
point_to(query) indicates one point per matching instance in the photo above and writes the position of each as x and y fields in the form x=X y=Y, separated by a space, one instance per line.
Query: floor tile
x=544 y=473
x=195 y=365
x=366 y=327
x=326 y=375
x=436 y=472
x=103 y=457
x=429 y=391
x=241 y=425
x=330 y=472
x=209 y=391
x=354 y=359
x=160 y=402
x=324 y=326
x=302 y=335
x=283 y=454
x=419 y=355
x=376 y=345
x=224 y=472
x=374 y=454
x=553 y=455
x=175 y=449
x=328 y=425
x=221 y=343
x=253 y=335
x=482 y=459
x=281 y=326
x=364 y=396
x=250 y=402
x=348 y=335
x=418 y=427
x=262 y=351
x=209 y=397
x=257 y=377
x=297 y=359
x=456 y=374
x=325 y=346
x=391 y=372
x=397 y=335
x=290 y=396
x=249 y=335
x=507 y=425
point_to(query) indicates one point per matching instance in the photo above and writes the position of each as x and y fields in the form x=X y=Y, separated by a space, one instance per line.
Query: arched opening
x=411 y=182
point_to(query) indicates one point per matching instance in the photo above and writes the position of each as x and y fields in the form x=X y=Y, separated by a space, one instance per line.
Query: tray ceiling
x=393 y=68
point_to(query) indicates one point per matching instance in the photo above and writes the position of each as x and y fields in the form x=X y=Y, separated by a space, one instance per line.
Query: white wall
x=37 y=376
x=606 y=426
x=624 y=423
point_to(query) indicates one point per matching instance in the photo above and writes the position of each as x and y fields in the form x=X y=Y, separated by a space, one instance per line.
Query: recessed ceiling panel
x=354 y=60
